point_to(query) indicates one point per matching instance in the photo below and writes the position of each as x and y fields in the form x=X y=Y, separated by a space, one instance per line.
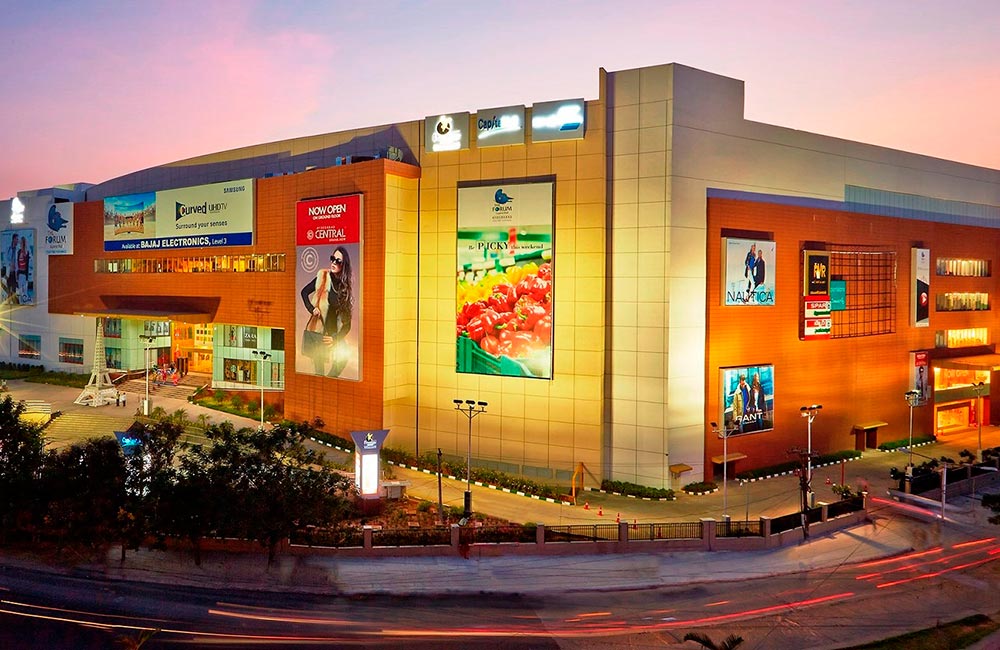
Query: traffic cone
x=600 y=511
x=618 y=519
x=586 y=505
x=829 y=481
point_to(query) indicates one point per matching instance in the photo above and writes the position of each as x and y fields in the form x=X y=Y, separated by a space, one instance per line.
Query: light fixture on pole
x=810 y=412
x=263 y=356
x=724 y=434
x=913 y=398
x=145 y=360
x=470 y=409
x=979 y=388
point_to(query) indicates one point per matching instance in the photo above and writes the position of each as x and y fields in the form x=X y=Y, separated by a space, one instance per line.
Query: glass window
x=29 y=346
x=71 y=351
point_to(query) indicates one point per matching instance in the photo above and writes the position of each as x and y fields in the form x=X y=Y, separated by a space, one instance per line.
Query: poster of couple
x=748 y=271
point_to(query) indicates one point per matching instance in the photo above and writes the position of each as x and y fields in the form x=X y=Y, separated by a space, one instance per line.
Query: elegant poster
x=920 y=262
x=328 y=279
x=220 y=214
x=505 y=280
x=748 y=271
x=17 y=267
x=748 y=399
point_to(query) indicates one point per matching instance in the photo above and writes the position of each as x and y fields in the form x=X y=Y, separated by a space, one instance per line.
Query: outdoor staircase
x=74 y=426
x=185 y=388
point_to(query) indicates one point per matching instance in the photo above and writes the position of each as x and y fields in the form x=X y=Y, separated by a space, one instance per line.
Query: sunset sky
x=94 y=90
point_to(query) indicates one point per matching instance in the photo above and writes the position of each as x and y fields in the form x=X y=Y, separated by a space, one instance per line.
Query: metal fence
x=738 y=529
x=790 y=521
x=498 y=534
x=844 y=507
x=582 y=533
x=436 y=536
x=335 y=537
x=653 y=532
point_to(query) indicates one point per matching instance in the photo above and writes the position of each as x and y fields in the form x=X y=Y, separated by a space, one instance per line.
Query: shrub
x=792 y=465
x=633 y=489
x=701 y=486
x=890 y=445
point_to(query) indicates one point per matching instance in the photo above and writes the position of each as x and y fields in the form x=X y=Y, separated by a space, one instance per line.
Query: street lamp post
x=810 y=412
x=979 y=388
x=913 y=398
x=724 y=434
x=263 y=356
x=145 y=360
x=470 y=409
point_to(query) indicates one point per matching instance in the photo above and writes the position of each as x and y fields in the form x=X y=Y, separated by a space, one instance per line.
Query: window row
x=262 y=263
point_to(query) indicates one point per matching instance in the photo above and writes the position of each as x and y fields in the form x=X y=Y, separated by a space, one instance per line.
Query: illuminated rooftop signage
x=446 y=132
x=562 y=120
x=500 y=126
x=16 y=211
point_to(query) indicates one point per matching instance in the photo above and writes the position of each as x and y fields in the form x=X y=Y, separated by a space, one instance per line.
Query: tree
x=149 y=476
x=272 y=482
x=729 y=643
x=21 y=451
x=180 y=418
x=83 y=489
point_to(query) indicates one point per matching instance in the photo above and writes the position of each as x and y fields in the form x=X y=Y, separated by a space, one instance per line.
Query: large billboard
x=505 y=280
x=17 y=266
x=748 y=271
x=328 y=277
x=220 y=214
x=748 y=399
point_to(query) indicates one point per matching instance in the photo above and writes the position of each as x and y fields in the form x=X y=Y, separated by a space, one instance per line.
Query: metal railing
x=582 y=533
x=738 y=529
x=673 y=530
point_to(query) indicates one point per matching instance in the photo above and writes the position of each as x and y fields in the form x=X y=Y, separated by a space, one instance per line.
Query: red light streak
x=934 y=574
x=280 y=619
x=900 y=558
x=985 y=540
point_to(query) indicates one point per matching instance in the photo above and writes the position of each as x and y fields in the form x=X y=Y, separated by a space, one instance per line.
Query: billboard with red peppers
x=505 y=280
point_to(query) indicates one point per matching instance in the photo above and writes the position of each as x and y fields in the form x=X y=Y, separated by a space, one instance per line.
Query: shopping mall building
x=611 y=275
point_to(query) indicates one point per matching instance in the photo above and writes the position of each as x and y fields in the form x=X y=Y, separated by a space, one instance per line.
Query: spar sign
x=817 y=322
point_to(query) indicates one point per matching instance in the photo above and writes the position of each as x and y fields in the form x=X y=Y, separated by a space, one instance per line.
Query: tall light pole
x=263 y=356
x=724 y=433
x=913 y=398
x=979 y=388
x=810 y=412
x=145 y=360
x=470 y=409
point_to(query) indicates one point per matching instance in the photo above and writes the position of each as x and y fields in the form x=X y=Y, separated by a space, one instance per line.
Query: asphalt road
x=953 y=574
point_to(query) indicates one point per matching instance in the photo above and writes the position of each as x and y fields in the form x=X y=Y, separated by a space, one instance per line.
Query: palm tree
x=730 y=642
x=201 y=421
x=180 y=418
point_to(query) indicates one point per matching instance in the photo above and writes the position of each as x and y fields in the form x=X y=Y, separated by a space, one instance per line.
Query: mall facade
x=612 y=276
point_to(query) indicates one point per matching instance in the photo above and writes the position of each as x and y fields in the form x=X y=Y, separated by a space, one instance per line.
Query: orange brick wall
x=343 y=405
x=855 y=379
